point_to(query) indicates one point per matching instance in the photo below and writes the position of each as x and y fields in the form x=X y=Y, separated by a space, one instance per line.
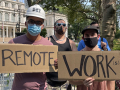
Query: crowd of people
x=91 y=41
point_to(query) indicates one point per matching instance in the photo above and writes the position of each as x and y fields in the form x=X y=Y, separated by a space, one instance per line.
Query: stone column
x=13 y=32
x=3 y=16
x=20 y=29
x=7 y=31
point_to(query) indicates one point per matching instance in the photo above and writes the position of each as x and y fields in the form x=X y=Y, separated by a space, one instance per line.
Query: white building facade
x=9 y=17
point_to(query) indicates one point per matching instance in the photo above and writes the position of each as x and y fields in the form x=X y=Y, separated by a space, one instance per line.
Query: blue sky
x=88 y=3
x=20 y=0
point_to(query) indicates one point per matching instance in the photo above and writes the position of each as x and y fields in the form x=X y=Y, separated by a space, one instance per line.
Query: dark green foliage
x=116 y=44
x=74 y=30
x=24 y=31
x=117 y=34
x=43 y=32
x=74 y=9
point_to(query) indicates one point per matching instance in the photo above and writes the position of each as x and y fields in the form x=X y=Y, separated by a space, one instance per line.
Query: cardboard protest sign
x=101 y=65
x=20 y=58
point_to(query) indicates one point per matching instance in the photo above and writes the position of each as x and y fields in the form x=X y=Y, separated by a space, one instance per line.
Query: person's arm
x=11 y=41
x=73 y=46
x=80 y=45
x=110 y=85
x=105 y=45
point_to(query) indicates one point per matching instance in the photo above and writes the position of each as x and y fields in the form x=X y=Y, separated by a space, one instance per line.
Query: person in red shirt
x=35 y=16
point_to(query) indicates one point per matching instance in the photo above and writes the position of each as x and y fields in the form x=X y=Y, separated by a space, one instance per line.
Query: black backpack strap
x=102 y=41
x=101 y=38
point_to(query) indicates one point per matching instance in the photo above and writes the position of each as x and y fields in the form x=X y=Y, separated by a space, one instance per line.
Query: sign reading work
x=20 y=58
x=82 y=64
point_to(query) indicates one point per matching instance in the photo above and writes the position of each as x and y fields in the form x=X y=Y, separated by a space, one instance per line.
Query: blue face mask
x=34 y=29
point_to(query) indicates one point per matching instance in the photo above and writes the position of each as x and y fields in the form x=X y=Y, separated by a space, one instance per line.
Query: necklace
x=59 y=39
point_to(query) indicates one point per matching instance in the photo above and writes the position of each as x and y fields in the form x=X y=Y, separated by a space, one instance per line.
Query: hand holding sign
x=56 y=63
x=88 y=82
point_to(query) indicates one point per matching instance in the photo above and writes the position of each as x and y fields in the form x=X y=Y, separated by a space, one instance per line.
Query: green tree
x=108 y=22
x=24 y=31
x=32 y=2
x=102 y=11
x=43 y=32
x=74 y=30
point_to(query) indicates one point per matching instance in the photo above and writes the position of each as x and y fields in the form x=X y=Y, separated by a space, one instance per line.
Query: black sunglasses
x=31 y=21
x=59 y=24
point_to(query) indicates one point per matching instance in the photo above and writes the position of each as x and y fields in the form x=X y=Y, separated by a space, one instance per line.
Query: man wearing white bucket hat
x=35 y=16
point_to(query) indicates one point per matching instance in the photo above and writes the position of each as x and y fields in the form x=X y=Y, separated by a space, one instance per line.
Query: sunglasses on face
x=59 y=24
x=31 y=21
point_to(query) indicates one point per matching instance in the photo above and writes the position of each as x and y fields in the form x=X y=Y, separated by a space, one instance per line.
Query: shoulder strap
x=101 y=38
x=69 y=43
x=51 y=38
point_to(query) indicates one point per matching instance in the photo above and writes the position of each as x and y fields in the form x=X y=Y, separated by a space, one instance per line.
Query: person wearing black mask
x=102 y=42
x=91 y=37
x=64 y=44
x=90 y=40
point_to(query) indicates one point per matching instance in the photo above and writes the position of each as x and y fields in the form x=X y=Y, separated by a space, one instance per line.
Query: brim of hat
x=36 y=16
x=89 y=29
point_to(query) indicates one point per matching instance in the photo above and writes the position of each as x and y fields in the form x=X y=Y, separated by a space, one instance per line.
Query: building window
x=1 y=32
x=45 y=23
x=19 y=7
x=13 y=17
x=0 y=16
x=6 y=17
x=6 y=4
x=50 y=19
x=13 y=5
x=0 y=3
x=12 y=33
x=5 y=33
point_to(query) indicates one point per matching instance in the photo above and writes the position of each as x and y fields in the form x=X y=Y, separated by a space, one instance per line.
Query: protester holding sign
x=90 y=37
x=35 y=16
x=102 y=42
x=64 y=44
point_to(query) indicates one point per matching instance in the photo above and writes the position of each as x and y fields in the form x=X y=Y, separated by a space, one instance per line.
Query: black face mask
x=60 y=30
x=91 y=42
